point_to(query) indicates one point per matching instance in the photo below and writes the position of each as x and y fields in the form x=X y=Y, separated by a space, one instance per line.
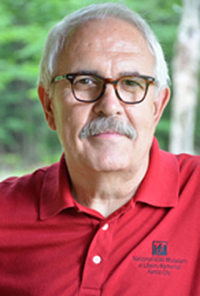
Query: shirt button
x=105 y=227
x=96 y=259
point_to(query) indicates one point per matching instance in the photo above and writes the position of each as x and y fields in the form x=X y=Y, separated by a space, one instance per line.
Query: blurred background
x=26 y=142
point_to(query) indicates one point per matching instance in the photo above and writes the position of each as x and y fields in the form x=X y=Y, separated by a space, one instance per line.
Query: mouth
x=108 y=133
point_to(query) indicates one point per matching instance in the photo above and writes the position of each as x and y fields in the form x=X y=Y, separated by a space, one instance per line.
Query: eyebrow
x=93 y=72
x=126 y=73
x=88 y=72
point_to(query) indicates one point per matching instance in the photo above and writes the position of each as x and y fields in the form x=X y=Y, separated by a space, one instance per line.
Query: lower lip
x=108 y=135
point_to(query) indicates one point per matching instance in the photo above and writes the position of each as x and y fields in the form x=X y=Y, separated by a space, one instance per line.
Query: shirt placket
x=96 y=261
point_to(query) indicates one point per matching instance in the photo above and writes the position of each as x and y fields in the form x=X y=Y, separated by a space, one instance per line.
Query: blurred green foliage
x=24 y=136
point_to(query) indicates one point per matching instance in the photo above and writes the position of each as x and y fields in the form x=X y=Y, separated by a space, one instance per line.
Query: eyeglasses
x=88 y=88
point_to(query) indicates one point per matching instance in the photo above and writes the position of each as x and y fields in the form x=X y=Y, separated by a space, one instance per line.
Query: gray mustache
x=102 y=124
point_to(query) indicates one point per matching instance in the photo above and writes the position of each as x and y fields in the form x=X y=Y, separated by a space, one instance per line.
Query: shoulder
x=20 y=198
x=188 y=163
x=32 y=179
x=26 y=185
x=189 y=171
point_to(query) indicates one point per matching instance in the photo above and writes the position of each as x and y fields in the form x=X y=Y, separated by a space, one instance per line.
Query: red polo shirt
x=52 y=246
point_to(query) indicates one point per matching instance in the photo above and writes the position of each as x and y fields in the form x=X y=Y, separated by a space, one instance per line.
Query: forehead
x=105 y=41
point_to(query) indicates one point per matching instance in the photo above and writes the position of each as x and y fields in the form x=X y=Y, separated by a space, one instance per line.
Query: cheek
x=70 y=119
x=142 y=117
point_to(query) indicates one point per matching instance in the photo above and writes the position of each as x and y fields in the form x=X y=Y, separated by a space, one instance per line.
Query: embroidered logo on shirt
x=160 y=262
x=159 y=248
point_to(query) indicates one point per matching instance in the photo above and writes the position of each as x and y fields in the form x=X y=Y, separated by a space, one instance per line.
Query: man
x=116 y=216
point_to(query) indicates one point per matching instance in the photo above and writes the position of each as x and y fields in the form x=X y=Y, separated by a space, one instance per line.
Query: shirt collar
x=55 y=194
x=159 y=187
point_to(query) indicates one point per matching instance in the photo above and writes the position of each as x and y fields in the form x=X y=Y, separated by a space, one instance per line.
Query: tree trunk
x=185 y=80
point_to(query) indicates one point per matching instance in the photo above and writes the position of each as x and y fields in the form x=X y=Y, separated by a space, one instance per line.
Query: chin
x=110 y=167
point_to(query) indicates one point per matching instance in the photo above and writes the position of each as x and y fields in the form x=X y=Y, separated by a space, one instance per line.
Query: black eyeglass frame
x=71 y=77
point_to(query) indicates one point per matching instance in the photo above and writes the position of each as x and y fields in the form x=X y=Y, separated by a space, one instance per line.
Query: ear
x=47 y=107
x=160 y=103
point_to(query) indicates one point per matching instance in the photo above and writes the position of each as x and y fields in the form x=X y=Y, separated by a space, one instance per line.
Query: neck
x=105 y=192
x=105 y=197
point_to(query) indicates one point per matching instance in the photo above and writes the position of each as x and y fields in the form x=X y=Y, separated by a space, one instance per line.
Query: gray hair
x=58 y=35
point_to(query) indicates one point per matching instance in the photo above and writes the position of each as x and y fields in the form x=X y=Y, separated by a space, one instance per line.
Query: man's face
x=110 y=48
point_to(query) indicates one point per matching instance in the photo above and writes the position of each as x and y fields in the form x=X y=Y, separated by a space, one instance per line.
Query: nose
x=108 y=104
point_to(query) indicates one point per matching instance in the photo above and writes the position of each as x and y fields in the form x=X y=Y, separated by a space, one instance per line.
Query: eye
x=132 y=83
x=85 y=81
